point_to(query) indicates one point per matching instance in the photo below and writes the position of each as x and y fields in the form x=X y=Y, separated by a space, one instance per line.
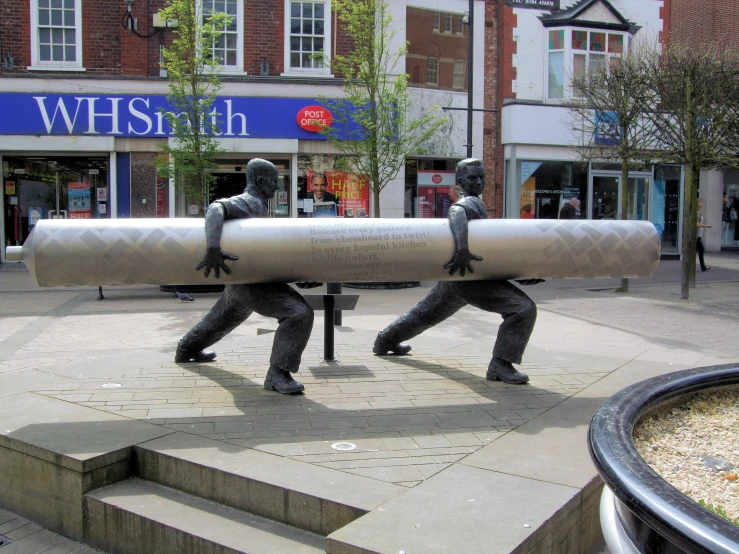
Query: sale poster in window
x=79 y=200
x=350 y=191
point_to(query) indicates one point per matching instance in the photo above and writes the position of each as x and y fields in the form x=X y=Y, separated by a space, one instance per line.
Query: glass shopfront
x=427 y=184
x=231 y=180
x=654 y=193
x=52 y=187
x=545 y=186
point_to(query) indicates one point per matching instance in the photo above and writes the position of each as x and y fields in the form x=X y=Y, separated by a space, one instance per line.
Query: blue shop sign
x=121 y=115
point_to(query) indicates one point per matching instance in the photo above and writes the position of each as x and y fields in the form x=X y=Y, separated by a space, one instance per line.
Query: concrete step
x=136 y=516
x=314 y=498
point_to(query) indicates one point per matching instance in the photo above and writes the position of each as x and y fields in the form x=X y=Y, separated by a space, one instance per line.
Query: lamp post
x=470 y=56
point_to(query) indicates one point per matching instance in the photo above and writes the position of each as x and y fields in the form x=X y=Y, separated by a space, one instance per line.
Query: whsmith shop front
x=89 y=156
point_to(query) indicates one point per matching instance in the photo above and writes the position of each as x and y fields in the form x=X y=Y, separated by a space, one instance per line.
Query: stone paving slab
x=413 y=419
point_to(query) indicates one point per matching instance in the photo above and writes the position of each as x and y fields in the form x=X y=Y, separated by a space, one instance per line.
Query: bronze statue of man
x=278 y=300
x=447 y=297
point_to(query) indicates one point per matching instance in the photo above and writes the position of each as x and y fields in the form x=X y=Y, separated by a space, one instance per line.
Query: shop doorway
x=607 y=202
x=52 y=187
x=231 y=181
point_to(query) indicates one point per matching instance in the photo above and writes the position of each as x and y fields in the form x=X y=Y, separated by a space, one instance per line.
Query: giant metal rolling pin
x=166 y=251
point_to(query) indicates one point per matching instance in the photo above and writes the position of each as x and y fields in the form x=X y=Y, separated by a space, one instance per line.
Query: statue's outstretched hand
x=529 y=281
x=307 y=285
x=462 y=261
x=215 y=259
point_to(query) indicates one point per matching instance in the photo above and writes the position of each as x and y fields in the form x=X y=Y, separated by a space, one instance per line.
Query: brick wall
x=494 y=75
x=111 y=50
x=693 y=23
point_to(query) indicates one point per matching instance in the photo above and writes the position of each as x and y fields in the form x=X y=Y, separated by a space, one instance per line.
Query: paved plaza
x=423 y=425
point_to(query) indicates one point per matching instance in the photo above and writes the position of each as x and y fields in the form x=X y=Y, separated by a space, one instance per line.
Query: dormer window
x=573 y=52
x=582 y=38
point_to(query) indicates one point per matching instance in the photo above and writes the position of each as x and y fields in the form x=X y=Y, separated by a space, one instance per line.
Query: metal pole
x=335 y=288
x=470 y=74
x=328 y=328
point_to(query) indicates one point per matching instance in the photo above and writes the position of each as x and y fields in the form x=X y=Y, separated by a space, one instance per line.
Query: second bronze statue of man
x=277 y=300
x=447 y=297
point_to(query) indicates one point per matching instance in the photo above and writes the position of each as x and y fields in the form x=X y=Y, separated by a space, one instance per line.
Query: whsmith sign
x=142 y=116
x=550 y=5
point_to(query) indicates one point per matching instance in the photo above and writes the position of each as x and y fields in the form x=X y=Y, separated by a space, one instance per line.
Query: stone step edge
x=286 y=499
x=136 y=515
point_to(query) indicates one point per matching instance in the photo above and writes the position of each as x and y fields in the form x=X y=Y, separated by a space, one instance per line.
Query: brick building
x=714 y=21
x=80 y=119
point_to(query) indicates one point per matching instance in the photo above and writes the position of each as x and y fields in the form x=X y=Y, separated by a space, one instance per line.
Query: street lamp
x=469 y=20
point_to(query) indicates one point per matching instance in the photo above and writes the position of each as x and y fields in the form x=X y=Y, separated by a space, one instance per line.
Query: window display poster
x=79 y=200
x=282 y=197
x=101 y=193
x=658 y=206
x=10 y=188
x=528 y=191
x=443 y=201
x=102 y=209
x=34 y=214
x=425 y=201
x=161 y=197
x=350 y=190
x=528 y=169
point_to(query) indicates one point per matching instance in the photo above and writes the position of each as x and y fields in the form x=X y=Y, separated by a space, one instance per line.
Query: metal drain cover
x=4 y=541
x=343 y=446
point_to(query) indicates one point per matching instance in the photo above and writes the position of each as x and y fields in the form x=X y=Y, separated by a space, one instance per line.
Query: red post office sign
x=312 y=118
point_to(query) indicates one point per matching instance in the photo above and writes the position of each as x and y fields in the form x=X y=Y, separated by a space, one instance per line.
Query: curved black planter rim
x=667 y=510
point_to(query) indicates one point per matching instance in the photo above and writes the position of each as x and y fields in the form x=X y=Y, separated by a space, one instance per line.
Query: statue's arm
x=215 y=258
x=462 y=259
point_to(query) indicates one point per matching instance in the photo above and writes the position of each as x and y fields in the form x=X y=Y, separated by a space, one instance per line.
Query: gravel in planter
x=693 y=443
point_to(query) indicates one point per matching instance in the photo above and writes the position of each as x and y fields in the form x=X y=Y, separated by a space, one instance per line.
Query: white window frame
x=462 y=76
x=448 y=23
x=437 y=22
x=36 y=63
x=438 y=68
x=324 y=71
x=569 y=56
x=239 y=67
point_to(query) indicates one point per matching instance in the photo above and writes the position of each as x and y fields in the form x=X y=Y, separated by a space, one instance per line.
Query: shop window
x=308 y=37
x=546 y=185
x=432 y=71
x=54 y=187
x=460 y=67
x=228 y=47
x=56 y=34
x=328 y=179
x=586 y=51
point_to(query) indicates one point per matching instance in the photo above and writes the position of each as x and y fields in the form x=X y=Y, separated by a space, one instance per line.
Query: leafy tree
x=371 y=127
x=607 y=115
x=695 y=125
x=193 y=72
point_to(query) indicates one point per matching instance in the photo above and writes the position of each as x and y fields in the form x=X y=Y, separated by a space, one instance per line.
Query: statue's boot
x=502 y=370
x=383 y=346
x=184 y=355
x=281 y=381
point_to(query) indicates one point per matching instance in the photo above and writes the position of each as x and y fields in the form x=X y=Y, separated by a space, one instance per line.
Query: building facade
x=538 y=49
x=83 y=92
x=712 y=21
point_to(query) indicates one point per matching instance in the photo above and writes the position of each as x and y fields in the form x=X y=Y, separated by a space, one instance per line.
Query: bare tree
x=695 y=125
x=371 y=127
x=607 y=114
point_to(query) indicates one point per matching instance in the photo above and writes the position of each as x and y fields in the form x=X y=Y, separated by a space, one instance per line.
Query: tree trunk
x=688 y=248
x=375 y=202
x=624 y=210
